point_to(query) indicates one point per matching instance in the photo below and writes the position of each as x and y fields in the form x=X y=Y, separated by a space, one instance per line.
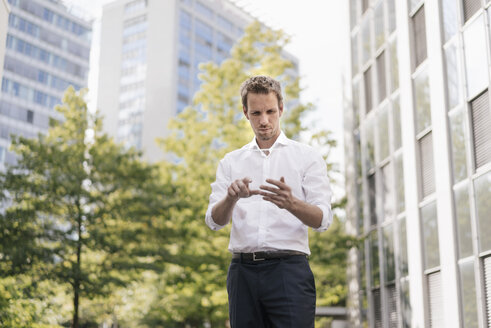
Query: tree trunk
x=76 y=283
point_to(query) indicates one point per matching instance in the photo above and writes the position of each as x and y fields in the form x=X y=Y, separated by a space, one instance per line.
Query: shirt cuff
x=211 y=223
x=326 y=218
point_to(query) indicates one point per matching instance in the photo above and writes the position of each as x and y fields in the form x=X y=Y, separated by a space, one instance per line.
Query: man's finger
x=282 y=179
x=255 y=192
x=277 y=183
x=246 y=180
x=272 y=189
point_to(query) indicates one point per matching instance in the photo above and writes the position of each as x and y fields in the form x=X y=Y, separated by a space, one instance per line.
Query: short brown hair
x=260 y=84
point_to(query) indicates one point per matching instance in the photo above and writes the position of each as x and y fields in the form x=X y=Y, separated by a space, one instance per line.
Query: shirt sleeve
x=317 y=189
x=218 y=192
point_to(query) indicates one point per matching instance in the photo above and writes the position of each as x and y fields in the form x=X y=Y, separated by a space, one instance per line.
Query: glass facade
x=205 y=35
x=47 y=50
x=395 y=140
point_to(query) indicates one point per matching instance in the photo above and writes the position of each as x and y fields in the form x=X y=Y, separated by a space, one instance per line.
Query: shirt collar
x=281 y=140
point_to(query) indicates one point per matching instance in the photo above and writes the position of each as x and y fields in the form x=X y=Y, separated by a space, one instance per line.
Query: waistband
x=269 y=255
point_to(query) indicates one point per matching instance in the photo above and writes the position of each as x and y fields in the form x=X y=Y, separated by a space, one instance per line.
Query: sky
x=318 y=30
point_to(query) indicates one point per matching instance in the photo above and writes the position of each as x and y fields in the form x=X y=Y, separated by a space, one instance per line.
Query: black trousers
x=276 y=293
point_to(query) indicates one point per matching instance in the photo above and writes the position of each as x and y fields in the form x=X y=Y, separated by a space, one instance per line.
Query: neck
x=266 y=144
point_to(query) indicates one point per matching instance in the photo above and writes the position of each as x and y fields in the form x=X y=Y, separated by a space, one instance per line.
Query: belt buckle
x=256 y=259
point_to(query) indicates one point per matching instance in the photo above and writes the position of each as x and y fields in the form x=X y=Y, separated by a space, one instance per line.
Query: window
x=396 y=121
x=379 y=17
x=419 y=36
x=482 y=190
x=422 y=101
x=470 y=8
x=372 y=197
x=453 y=80
x=392 y=15
x=481 y=129
x=366 y=39
x=367 y=79
x=463 y=218
x=394 y=67
x=383 y=133
x=403 y=258
x=426 y=165
x=30 y=116
x=468 y=292
x=387 y=191
x=450 y=18
x=430 y=236
x=364 y=5
x=374 y=259
x=399 y=179
x=381 y=79
x=377 y=307
x=389 y=259
x=475 y=57
x=354 y=55
x=459 y=147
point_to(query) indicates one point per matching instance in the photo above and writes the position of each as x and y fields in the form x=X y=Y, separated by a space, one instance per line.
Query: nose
x=263 y=120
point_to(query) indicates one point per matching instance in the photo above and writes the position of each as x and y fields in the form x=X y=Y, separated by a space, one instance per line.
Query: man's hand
x=281 y=196
x=240 y=189
x=222 y=211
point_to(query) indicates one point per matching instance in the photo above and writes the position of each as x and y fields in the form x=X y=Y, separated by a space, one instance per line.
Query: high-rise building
x=418 y=163
x=47 y=50
x=150 y=53
x=4 y=14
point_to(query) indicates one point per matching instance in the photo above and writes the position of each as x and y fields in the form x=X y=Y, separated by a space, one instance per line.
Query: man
x=273 y=189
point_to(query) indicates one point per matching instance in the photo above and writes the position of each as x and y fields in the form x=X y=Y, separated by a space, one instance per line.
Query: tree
x=194 y=291
x=78 y=207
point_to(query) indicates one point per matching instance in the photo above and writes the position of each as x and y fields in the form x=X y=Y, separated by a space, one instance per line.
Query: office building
x=4 y=15
x=150 y=53
x=47 y=50
x=418 y=163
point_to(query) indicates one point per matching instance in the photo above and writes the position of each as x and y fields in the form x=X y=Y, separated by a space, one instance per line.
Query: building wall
x=418 y=156
x=4 y=14
x=175 y=37
x=47 y=50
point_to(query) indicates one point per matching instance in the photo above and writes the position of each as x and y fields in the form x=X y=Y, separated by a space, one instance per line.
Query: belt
x=261 y=256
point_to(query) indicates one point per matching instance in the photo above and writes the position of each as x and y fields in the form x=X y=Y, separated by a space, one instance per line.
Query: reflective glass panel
x=383 y=133
x=482 y=190
x=468 y=292
x=374 y=260
x=399 y=180
x=392 y=15
x=379 y=24
x=402 y=257
x=354 y=55
x=475 y=57
x=453 y=79
x=366 y=39
x=389 y=262
x=387 y=192
x=458 y=136
x=370 y=144
x=463 y=217
x=396 y=127
x=450 y=19
x=394 y=67
x=430 y=236
x=422 y=101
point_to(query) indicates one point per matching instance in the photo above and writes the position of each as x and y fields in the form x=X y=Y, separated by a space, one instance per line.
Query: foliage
x=77 y=207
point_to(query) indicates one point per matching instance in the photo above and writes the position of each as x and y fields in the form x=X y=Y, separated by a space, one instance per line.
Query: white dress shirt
x=257 y=224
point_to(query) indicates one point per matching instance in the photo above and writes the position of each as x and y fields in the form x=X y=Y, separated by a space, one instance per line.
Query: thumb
x=247 y=180
x=282 y=179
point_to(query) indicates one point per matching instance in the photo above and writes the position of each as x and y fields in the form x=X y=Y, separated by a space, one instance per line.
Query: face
x=264 y=112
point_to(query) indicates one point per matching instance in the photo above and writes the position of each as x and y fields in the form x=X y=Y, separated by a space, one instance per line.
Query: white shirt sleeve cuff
x=211 y=223
x=326 y=218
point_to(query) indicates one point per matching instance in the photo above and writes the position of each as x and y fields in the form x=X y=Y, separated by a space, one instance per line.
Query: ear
x=280 y=108
x=245 y=112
